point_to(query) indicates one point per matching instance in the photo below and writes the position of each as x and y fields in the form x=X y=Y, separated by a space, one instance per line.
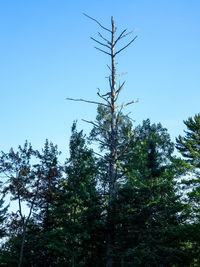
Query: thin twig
x=103 y=98
x=109 y=67
x=88 y=101
x=120 y=88
x=118 y=115
x=106 y=144
x=119 y=75
x=110 y=83
x=98 y=154
x=129 y=103
x=104 y=38
x=102 y=51
x=126 y=46
x=96 y=125
x=97 y=22
x=100 y=42
x=128 y=33
x=107 y=94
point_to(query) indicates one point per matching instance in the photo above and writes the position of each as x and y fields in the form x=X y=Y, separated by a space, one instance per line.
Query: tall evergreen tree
x=149 y=212
x=78 y=237
x=189 y=147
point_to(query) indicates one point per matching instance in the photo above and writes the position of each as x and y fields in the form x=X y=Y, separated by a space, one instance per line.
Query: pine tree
x=189 y=147
x=149 y=212
x=78 y=237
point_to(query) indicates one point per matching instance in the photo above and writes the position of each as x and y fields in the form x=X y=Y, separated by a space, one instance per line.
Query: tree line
x=156 y=219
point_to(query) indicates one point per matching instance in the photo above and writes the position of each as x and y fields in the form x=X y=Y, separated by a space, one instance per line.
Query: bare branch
x=103 y=97
x=102 y=51
x=105 y=144
x=104 y=38
x=109 y=67
x=119 y=113
x=129 y=103
x=107 y=94
x=119 y=75
x=120 y=88
x=88 y=101
x=120 y=36
x=98 y=154
x=128 y=33
x=100 y=42
x=126 y=46
x=96 y=125
x=110 y=83
x=97 y=23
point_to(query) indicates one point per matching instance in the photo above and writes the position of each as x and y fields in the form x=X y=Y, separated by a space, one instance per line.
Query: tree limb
x=88 y=101
x=120 y=88
x=128 y=33
x=110 y=83
x=104 y=38
x=109 y=68
x=126 y=46
x=119 y=75
x=129 y=103
x=120 y=36
x=100 y=42
x=102 y=51
x=98 y=23
x=103 y=98
x=98 y=154
x=96 y=125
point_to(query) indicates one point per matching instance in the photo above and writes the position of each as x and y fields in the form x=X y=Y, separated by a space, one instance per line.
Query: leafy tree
x=23 y=186
x=40 y=230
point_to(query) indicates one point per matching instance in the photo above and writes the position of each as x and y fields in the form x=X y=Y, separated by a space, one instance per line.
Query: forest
x=132 y=202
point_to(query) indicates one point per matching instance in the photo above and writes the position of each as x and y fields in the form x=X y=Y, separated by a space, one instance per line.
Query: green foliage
x=153 y=223
x=189 y=145
x=79 y=210
x=148 y=208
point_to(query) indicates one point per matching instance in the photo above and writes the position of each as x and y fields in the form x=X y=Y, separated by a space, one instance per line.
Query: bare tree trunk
x=25 y=223
x=22 y=245
x=110 y=98
x=113 y=158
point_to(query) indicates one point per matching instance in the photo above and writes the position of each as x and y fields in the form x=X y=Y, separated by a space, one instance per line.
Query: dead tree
x=109 y=47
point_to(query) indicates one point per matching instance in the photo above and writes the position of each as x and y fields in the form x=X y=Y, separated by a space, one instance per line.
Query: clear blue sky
x=46 y=55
